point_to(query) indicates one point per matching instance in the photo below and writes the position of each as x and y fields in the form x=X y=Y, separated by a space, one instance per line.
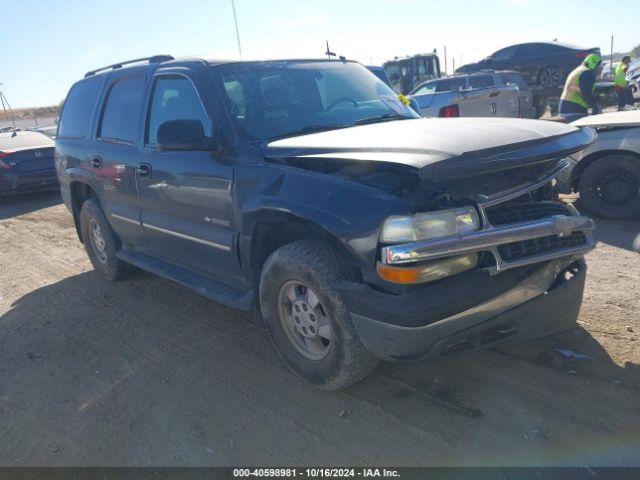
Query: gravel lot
x=145 y=372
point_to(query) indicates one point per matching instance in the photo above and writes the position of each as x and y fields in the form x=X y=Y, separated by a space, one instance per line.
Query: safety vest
x=620 y=78
x=571 y=90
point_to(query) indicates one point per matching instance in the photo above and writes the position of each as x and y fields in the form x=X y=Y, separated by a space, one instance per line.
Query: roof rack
x=154 y=59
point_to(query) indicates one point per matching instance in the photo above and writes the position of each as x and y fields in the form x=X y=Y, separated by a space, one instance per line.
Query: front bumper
x=545 y=302
x=490 y=238
x=27 y=182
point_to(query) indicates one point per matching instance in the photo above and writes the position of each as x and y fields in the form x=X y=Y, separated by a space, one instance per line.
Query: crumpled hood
x=440 y=147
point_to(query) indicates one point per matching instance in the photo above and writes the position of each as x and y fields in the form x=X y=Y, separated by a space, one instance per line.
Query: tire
x=609 y=187
x=551 y=77
x=101 y=251
x=329 y=359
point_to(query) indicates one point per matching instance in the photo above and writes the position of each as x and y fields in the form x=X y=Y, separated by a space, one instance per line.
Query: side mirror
x=183 y=135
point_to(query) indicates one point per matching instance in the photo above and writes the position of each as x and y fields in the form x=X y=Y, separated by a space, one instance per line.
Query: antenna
x=5 y=106
x=329 y=53
x=235 y=21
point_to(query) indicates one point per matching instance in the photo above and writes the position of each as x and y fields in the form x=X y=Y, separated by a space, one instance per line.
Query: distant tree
x=635 y=51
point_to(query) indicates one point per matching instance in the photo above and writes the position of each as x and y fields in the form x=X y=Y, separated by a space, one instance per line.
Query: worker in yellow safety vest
x=578 y=94
x=623 y=92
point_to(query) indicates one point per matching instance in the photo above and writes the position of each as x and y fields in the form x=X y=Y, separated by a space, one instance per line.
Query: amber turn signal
x=427 y=272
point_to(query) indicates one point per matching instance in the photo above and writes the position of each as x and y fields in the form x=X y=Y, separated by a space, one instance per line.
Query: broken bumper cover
x=545 y=302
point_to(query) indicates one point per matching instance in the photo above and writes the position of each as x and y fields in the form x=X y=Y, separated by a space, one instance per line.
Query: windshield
x=278 y=99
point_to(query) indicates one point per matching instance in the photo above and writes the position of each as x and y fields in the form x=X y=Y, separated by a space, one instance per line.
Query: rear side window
x=538 y=50
x=504 y=54
x=481 y=81
x=514 y=79
x=122 y=110
x=78 y=107
x=446 y=85
x=174 y=98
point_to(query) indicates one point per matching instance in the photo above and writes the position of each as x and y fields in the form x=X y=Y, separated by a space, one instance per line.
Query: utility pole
x=445 y=59
x=611 y=61
x=235 y=21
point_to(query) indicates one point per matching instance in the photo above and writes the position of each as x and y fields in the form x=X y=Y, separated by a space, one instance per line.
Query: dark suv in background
x=542 y=64
x=307 y=191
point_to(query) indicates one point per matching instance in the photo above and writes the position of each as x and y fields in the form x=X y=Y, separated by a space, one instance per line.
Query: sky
x=49 y=44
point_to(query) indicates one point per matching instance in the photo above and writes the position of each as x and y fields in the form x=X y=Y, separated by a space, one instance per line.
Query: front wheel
x=307 y=318
x=610 y=187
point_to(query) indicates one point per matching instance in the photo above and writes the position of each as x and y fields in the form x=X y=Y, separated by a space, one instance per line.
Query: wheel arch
x=267 y=230
x=590 y=159
x=80 y=193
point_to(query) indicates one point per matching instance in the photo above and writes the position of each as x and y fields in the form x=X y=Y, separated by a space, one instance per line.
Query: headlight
x=423 y=226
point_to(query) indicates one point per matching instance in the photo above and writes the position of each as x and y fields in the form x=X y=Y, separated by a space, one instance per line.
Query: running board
x=207 y=287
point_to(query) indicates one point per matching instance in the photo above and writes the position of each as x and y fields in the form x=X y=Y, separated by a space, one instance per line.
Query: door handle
x=96 y=161
x=144 y=170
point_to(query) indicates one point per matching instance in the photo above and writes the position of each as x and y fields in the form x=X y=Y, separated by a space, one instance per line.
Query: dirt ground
x=146 y=372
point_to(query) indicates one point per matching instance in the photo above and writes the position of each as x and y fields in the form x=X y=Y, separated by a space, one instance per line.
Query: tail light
x=449 y=111
x=582 y=55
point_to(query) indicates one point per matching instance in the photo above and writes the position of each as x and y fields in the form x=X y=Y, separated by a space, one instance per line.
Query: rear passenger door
x=114 y=159
x=187 y=209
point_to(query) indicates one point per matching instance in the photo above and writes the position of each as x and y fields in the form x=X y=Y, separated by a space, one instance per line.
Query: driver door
x=185 y=196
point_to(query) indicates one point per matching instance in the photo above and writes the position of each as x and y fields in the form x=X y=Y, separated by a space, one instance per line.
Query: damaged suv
x=305 y=190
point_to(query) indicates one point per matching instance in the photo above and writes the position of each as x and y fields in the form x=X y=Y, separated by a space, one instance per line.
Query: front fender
x=348 y=211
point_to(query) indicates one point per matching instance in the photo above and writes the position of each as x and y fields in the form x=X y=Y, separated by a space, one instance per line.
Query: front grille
x=537 y=246
x=515 y=212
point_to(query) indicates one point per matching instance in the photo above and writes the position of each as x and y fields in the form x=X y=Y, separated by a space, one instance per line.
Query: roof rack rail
x=154 y=59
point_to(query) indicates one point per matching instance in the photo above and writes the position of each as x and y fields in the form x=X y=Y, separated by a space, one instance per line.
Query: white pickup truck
x=484 y=94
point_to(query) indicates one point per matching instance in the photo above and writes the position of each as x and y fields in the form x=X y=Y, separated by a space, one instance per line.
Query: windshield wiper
x=381 y=118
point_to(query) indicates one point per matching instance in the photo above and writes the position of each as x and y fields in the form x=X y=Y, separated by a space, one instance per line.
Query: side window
x=174 y=98
x=77 y=109
x=504 y=54
x=481 y=81
x=514 y=79
x=122 y=110
x=235 y=98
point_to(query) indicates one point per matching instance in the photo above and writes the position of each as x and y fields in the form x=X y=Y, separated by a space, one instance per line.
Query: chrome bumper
x=492 y=237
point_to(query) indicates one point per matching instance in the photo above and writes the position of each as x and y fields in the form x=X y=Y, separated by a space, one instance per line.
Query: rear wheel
x=100 y=241
x=307 y=318
x=610 y=187
x=550 y=77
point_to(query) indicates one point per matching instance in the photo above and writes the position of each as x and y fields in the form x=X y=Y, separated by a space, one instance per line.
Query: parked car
x=405 y=74
x=527 y=99
x=49 y=131
x=380 y=73
x=307 y=191
x=607 y=174
x=26 y=162
x=542 y=64
x=607 y=70
x=476 y=95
